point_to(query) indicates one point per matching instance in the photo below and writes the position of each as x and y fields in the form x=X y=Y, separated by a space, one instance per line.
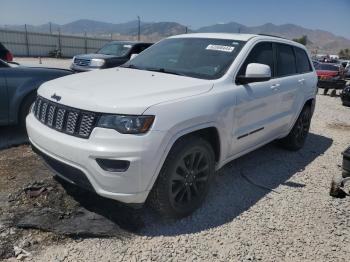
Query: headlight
x=97 y=62
x=126 y=124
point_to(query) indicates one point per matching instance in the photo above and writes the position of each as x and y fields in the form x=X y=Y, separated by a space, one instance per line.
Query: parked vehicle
x=158 y=127
x=345 y=96
x=56 y=53
x=330 y=76
x=113 y=54
x=18 y=85
x=346 y=65
x=5 y=54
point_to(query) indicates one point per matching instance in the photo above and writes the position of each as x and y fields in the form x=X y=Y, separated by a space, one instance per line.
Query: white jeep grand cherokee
x=157 y=128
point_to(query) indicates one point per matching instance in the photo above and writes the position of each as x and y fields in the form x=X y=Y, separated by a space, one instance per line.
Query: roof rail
x=273 y=36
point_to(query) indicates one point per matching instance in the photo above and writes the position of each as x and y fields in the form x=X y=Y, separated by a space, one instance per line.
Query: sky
x=329 y=15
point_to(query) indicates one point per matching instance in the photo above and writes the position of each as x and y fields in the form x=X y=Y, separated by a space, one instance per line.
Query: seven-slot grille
x=82 y=62
x=65 y=119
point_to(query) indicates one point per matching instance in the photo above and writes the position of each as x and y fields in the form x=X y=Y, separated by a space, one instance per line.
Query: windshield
x=194 y=57
x=116 y=49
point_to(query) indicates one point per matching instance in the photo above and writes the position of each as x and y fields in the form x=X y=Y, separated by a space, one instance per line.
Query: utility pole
x=26 y=35
x=85 y=42
x=50 y=28
x=186 y=29
x=139 y=28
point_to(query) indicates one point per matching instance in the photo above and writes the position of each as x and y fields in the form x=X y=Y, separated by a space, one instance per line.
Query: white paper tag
x=127 y=46
x=223 y=48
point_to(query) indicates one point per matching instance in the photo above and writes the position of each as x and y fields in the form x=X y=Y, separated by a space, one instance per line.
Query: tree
x=302 y=40
x=344 y=53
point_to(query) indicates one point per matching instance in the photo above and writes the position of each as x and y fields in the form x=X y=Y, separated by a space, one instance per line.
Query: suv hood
x=121 y=90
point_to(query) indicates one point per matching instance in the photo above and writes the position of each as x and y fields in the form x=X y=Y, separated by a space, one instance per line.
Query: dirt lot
x=270 y=205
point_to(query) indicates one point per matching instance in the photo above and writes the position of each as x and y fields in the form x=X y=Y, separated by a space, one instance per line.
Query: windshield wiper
x=162 y=70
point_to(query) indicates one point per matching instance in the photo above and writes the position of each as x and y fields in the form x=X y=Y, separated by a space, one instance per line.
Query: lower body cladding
x=117 y=166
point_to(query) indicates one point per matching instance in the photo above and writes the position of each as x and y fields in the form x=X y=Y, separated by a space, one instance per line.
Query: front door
x=3 y=99
x=256 y=103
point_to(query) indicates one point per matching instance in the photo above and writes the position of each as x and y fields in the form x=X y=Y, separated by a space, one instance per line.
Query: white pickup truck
x=157 y=128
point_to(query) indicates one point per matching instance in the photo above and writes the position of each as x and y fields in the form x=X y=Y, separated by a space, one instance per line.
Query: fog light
x=112 y=165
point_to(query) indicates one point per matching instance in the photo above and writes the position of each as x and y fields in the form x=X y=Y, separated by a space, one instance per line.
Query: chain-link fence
x=23 y=43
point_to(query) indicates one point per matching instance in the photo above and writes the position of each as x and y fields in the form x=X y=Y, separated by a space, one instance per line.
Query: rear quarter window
x=303 y=62
x=286 y=63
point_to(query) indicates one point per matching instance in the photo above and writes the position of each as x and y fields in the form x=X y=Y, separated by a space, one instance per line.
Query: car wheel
x=24 y=110
x=185 y=178
x=297 y=136
x=333 y=93
x=325 y=91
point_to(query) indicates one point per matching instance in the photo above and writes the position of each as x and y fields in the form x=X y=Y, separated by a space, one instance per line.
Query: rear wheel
x=185 y=178
x=297 y=136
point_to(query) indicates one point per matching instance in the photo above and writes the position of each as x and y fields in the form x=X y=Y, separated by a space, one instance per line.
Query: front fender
x=170 y=139
x=19 y=95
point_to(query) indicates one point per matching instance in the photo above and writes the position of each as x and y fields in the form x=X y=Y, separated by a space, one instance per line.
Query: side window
x=285 y=60
x=136 y=49
x=303 y=63
x=261 y=53
x=139 y=48
x=143 y=47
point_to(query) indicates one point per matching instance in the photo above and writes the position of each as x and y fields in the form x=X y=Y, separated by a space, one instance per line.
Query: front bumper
x=77 y=68
x=142 y=151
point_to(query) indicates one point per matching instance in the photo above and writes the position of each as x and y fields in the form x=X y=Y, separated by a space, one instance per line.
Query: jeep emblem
x=56 y=97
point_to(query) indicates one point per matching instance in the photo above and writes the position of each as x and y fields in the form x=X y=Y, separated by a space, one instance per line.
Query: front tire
x=185 y=178
x=297 y=136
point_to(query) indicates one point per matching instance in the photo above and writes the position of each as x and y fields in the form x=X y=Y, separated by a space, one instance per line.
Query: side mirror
x=133 y=56
x=255 y=73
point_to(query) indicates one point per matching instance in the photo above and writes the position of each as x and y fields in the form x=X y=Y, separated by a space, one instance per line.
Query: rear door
x=291 y=83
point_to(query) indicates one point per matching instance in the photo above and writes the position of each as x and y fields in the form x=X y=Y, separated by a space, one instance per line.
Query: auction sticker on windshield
x=223 y=48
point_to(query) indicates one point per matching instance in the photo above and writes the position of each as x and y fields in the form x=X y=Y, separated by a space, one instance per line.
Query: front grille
x=65 y=119
x=82 y=62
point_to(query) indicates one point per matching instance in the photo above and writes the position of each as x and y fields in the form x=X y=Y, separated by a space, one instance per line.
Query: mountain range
x=320 y=40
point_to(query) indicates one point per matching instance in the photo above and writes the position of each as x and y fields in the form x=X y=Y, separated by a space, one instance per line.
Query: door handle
x=275 y=86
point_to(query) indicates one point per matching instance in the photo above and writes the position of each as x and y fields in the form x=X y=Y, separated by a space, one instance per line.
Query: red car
x=330 y=76
x=5 y=54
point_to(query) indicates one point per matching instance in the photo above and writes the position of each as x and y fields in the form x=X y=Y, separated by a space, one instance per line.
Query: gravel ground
x=270 y=205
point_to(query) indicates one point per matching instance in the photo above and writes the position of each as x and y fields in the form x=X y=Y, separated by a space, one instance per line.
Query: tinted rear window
x=285 y=60
x=303 y=63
